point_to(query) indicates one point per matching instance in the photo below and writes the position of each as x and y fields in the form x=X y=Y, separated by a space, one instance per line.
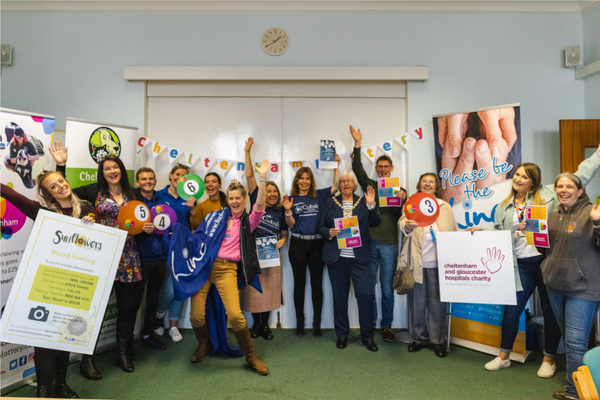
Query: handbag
x=403 y=281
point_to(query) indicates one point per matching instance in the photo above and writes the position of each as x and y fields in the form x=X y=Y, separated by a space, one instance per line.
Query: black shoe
x=45 y=391
x=317 y=333
x=414 y=347
x=88 y=370
x=125 y=363
x=267 y=334
x=300 y=328
x=62 y=391
x=371 y=346
x=440 y=350
x=342 y=343
x=153 y=343
x=255 y=331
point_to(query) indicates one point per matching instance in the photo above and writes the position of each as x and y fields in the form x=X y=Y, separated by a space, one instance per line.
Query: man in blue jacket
x=153 y=257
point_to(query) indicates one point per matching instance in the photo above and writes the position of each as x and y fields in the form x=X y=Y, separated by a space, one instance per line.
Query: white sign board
x=476 y=268
x=63 y=284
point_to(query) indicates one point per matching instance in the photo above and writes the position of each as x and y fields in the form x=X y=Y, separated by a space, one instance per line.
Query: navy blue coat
x=366 y=218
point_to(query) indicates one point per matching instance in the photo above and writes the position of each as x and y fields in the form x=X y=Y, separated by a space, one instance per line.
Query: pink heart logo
x=494 y=260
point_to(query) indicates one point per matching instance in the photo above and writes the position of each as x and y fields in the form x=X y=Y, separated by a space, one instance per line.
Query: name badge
x=428 y=236
x=519 y=234
x=571 y=227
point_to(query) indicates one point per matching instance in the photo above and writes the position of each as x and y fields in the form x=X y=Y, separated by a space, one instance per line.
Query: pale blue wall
x=591 y=53
x=71 y=64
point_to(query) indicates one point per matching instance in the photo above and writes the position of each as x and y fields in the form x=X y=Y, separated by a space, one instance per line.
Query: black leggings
x=50 y=365
x=301 y=253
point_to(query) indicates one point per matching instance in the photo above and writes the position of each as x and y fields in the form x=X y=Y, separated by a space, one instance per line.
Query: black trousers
x=129 y=299
x=154 y=276
x=50 y=365
x=303 y=253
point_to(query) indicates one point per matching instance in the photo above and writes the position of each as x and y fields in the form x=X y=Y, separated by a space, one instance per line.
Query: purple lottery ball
x=162 y=216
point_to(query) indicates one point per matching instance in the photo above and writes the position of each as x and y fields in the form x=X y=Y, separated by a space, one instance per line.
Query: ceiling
x=441 y=6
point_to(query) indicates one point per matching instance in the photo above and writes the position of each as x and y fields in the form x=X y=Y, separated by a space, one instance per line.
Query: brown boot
x=202 y=337
x=245 y=343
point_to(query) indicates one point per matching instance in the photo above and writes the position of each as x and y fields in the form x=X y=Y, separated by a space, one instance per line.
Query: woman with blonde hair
x=527 y=189
x=54 y=194
x=302 y=214
x=271 y=224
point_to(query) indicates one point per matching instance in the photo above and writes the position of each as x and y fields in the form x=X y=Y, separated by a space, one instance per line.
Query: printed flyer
x=388 y=189
x=268 y=255
x=349 y=236
x=63 y=284
x=327 y=155
x=536 y=226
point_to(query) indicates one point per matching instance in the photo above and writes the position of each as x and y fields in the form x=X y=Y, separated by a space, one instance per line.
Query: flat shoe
x=497 y=363
x=371 y=345
x=414 y=347
x=440 y=350
x=267 y=334
x=546 y=370
x=342 y=343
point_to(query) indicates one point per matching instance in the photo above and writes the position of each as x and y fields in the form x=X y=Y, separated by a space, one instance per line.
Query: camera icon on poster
x=38 y=313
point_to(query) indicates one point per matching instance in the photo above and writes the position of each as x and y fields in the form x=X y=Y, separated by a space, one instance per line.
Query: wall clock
x=275 y=41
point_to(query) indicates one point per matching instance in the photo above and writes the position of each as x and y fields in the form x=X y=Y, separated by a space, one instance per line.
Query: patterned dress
x=129 y=267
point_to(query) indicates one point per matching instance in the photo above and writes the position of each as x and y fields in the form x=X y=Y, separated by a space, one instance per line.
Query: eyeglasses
x=344 y=181
x=383 y=166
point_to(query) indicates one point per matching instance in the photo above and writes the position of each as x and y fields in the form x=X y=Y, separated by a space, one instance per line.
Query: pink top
x=230 y=247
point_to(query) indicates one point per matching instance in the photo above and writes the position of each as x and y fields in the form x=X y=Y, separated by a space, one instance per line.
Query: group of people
x=567 y=274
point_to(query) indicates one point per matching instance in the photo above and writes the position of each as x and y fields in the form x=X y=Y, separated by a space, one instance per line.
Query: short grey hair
x=572 y=177
x=345 y=173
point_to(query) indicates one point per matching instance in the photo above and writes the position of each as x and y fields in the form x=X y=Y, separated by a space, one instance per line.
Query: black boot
x=61 y=389
x=123 y=360
x=300 y=327
x=45 y=368
x=317 y=333
x=88 y=369
x=255 y=331
x=265 y=330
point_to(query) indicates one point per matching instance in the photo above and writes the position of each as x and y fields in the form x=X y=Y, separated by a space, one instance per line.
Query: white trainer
x=546 y=370
x=159 y=331
x=175 y=335
x=496 y=364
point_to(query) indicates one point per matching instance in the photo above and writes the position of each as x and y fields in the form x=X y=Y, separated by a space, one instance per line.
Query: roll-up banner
x=477 y=152
x=24 y=141
x=89 y=142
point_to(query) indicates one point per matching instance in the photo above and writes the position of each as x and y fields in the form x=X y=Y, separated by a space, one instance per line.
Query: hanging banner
x=275 y=168
x=402 y=140
x=89 y=142
x=477 y=152
x=157 y=148
x=296 y=165
x=24 y=141
x=386 y=147
x=63 y=284
x=370 y=152
x=142 y=142
x=173 y=154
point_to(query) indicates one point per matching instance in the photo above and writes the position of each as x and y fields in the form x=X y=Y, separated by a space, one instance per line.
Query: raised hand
x=59 y=154
x=337 y=159
x=264 y=168
x=249 y=144
x=370 y=196
x=287 y=202
x=595 y=213
x=190 y=202
x=356 y=135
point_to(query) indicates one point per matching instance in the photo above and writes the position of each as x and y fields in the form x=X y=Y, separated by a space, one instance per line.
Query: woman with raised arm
x=571 y=271
x=272 y=224
x=230 y=250
x=527 y=189
x=419 y=253
x=345 y=263
x=55 y=194
x=108 y=195
x=302 y=214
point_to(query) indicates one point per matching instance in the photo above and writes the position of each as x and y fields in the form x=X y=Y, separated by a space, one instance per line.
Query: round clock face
x=275 y=41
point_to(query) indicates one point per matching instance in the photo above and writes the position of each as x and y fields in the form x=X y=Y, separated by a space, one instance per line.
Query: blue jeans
x=575 y=317
x=531 y=277
x=166 y=300
x=386 y=256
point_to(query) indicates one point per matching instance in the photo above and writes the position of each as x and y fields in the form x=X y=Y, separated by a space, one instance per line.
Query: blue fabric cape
x=190 y=260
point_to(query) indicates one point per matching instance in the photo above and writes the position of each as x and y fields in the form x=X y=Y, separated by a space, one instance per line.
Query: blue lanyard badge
x=432 y=234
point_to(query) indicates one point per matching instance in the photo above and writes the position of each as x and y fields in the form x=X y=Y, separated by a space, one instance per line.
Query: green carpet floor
x=310 y=368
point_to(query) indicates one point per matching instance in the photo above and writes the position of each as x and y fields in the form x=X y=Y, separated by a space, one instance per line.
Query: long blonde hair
x=48 y=201
x=534 y=173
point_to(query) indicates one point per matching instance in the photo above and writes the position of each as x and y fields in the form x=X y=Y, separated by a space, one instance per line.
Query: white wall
x=591 y=53
x=71 y=64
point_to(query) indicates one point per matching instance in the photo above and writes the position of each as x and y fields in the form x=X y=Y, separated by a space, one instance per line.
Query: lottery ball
x=190 y=185
x=133 y=216
x=163 y=217
x=422 y=208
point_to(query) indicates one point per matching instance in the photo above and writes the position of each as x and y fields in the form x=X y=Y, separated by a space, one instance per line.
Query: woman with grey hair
x=347 y=253
x=571 y=271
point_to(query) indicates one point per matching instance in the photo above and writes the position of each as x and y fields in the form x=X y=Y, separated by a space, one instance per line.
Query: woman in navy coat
x=347 y=254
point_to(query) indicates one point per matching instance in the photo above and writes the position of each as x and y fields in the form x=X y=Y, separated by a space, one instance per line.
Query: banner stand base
x=518 y=357
x=404 y=336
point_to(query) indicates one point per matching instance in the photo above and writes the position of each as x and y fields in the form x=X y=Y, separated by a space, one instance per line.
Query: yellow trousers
x=224 y=276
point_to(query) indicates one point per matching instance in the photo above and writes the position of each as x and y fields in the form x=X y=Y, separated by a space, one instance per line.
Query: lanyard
x=432 y=233
x=520 y=208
